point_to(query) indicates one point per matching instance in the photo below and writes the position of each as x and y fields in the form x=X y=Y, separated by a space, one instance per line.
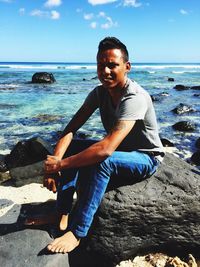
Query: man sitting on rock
x=131 y=148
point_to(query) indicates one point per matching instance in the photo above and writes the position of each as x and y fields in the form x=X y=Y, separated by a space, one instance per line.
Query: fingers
x=50 y=184
x=52 y=164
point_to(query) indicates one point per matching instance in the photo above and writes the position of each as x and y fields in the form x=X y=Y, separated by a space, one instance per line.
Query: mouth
x=107 y=79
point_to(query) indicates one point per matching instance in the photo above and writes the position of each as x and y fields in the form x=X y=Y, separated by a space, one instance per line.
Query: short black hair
x=113 y=43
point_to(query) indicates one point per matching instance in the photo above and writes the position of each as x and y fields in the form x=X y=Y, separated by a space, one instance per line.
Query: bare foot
x=64 y=244
x=63 y=222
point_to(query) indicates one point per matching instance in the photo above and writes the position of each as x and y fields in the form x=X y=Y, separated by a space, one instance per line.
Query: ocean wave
x=47 y=66
x=152 y=66
x=186 y=71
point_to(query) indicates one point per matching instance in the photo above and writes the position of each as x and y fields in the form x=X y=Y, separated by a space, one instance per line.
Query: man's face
x=112 y=69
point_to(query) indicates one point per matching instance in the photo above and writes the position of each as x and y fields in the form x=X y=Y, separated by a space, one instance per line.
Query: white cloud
x=183 y=12
x=45 y=14
x=132 y=3
x=93 y=25
x=88 y=16
x=39 y=13
x=52 y=3
x=100 y=2
x=22 y=11
x=55 y=14
x=101 y=14
x=108 y=24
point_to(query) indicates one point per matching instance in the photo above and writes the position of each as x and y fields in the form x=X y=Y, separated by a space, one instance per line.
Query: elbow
x=106 y=152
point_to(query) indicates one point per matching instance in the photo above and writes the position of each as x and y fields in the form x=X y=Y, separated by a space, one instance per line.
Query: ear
x=128 y=66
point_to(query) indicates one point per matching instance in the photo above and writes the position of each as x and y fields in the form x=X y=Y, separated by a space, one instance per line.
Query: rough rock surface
x=161 y=212
x=184 y=126
x=27 y=152
x=27 y=248
x=28 y=174
x=195 y=158
x=182 y=108
x=43 y=77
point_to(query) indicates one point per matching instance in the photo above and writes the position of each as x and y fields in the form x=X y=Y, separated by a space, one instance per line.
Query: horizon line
x=82 y=62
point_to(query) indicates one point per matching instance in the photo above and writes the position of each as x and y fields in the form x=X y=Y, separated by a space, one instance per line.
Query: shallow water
x=28 y=110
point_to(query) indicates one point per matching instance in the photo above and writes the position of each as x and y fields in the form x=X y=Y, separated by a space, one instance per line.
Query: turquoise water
x=28 y=110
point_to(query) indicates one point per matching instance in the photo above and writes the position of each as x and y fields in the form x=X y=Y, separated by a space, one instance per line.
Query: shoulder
x=134 y=88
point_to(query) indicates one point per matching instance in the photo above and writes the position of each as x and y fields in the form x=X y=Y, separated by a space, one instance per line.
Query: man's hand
x=50 y=182
x=52 y=164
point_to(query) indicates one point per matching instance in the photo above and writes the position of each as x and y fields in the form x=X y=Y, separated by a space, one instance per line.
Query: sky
x=70 y=30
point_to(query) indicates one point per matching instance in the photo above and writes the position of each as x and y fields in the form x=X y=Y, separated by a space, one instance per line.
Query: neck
x=117 y=92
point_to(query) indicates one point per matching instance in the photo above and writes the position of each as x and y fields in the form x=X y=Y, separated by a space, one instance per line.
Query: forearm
x=62 y=145
x=89 y=156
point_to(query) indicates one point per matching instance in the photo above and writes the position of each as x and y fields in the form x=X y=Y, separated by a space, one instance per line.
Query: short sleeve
x=92 y=99
x=132 y=107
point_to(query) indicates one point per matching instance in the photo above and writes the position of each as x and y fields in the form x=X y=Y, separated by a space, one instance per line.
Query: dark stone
x=197 y=87
x=166 y=142
x=159 y=97
x=197 y=95
x=170 y=79
x=181 y=87
x=28 y=152
x=197 y=144
x=196 y=158
x=28 y=248
x=161 y=213
x=182 y=108
x=184 y=126
x=3 y=166
x=94 y=78
x=43 y=77
x=26 y=245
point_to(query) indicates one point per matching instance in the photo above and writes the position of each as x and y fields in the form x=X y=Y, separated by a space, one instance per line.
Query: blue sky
x=70 y=30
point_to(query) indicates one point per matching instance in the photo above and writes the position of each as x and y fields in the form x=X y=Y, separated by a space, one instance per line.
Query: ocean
x=29 y=110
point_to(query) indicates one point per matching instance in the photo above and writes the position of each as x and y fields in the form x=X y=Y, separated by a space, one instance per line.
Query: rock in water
x=161 y=212
x=43 y=77
x=184 y=126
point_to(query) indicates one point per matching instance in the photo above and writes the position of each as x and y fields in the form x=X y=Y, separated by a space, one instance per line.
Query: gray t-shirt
x=135 y=105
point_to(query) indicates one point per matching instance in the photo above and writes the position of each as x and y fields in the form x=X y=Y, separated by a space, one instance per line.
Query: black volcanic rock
x=43 y=77
x=159 y=213
x=182 y=108
x=195 y=158
x=27 y=152
x=184 y=126
x=181 y=87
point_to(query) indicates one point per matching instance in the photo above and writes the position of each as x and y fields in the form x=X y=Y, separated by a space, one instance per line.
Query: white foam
x=47 y=66
x=152 y=66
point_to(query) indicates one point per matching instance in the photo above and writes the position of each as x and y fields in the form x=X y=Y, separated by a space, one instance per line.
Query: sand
x=15 y=196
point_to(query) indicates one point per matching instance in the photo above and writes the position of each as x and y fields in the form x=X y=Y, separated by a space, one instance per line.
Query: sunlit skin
x=112 y=71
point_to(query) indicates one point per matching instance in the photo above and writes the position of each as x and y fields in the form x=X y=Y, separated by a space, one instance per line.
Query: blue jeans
x=92 y=182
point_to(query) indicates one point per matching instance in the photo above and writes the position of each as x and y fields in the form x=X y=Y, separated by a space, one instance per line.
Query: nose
x=107 y=69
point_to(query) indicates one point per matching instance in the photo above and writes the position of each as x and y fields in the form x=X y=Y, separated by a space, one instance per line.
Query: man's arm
x=96 y=152
x=77 y=121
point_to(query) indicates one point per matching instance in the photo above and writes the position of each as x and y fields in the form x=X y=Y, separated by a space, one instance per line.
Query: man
x=129 y=119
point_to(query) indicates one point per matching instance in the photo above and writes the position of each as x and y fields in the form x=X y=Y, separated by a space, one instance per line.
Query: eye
x=111 y=65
